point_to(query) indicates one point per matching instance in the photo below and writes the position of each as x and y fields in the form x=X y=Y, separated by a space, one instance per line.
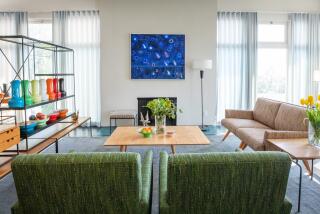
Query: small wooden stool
x=122 y=115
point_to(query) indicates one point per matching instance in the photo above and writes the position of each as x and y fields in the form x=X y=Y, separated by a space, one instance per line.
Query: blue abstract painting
x=157 y=56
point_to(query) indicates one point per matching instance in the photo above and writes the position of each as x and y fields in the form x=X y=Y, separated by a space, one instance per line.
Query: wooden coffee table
x=298 y=149
x=129 y=136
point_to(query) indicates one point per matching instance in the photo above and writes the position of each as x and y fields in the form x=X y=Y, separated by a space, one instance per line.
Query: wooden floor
x=5 y=162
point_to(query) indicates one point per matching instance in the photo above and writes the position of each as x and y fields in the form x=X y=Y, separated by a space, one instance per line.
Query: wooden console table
x=46 y=142
x=298 y=149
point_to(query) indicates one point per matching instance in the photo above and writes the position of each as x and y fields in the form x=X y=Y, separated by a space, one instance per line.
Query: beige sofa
x=269 y=120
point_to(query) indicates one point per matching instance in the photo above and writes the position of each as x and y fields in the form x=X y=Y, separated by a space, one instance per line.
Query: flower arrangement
x=160 y=109
x=313 y=115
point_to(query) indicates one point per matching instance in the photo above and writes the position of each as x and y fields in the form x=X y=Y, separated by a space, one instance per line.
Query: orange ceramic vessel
x=50 y=92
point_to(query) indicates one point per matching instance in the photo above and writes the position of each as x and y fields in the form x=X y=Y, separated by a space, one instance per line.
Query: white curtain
x=11 y=23
x=304 y=47
x=236 y=60
x=80 y=30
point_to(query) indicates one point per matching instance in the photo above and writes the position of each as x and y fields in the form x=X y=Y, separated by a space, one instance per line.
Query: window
x=272 y=61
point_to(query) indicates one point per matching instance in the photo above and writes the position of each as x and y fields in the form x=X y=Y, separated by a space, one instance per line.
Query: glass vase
x=314 y=135
x=160 y=124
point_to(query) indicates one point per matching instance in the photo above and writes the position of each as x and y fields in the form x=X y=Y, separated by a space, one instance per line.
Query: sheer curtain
x=11 y=23
x=80 y=30
x=304 y=55
x=236 y=60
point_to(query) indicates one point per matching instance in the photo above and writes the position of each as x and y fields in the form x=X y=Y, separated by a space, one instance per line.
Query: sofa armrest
x=275 y=134
x=163 y=188
x=239 y=114
x=146 y=174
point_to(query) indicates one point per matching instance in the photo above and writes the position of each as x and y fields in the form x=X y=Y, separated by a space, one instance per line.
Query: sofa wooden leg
x=243 y=145
x=226 y=135
x=306 y=164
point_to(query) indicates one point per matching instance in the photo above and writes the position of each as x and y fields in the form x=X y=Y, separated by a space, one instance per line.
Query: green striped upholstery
x=83 y=183
x=238 y=182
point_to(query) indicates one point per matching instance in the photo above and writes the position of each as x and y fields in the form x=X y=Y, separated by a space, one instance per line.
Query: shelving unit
x=27 y=51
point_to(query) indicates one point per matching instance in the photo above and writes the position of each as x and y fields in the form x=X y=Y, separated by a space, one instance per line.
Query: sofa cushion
x=233 y=124
x=291 y=118
x=253 y=137
x=265 y=111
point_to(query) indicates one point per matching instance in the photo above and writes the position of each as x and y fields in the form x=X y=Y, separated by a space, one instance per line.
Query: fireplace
x=142 y=102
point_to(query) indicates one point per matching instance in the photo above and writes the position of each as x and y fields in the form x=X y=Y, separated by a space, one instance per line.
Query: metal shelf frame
x=26 y=47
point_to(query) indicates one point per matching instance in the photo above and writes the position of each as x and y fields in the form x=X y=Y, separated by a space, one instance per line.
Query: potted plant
x=313 y=115
x=160 y=109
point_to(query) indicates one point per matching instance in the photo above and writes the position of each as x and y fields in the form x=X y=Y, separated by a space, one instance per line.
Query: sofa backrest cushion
x=291 y=118
x=78 y=183
x=265 y=111
x=203 y=183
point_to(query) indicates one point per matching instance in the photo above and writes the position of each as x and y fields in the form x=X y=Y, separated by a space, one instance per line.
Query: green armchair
x=83 y=183
x=237 y=182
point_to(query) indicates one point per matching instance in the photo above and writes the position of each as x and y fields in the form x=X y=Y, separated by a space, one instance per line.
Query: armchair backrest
x=78 y=182
x=227 y=182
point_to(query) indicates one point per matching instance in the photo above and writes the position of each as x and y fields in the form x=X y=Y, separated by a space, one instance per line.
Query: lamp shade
x=316 y=75
x=205 y=64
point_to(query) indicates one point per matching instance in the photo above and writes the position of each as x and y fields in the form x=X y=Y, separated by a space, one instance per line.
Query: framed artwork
x=157 y=56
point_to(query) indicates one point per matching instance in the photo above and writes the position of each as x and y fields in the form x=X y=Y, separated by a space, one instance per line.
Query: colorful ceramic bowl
x=53 y=117
x=63 y=113
x=27 y=128
x=146 y=132
x=41 y=123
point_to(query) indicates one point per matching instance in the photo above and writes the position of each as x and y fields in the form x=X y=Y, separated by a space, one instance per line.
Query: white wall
x=195 y=19
x=46 y=5
x=269 y=5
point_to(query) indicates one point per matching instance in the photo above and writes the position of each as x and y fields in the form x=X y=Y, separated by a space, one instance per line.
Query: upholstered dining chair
x=239 y=182
x=83 y=183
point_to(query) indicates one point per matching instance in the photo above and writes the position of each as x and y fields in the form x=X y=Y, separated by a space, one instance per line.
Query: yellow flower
x=302 y=102
x=310 y=100
x=319 y=97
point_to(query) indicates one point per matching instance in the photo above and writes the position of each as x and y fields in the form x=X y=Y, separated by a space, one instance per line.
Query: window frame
x=275 y=45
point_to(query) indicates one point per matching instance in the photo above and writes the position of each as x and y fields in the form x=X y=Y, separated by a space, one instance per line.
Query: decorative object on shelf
x=53 y=117
x=61 y=87
x=36 y=98
x=145 y=121
x=40 y=118
x=50 y=91
x=63 y=113
x=202 y=65
x=75 y=117
x=157 y=56
x=43 y=90
x=27 y=127
x=16 y=101
x=5 y=90
x=56 y=88
x=26 y=92
x=146 y=132
x=313 y=116
x=162 y=108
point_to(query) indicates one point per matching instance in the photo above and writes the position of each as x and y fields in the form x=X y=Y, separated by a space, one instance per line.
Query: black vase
x=61 y=87
x=5 y=90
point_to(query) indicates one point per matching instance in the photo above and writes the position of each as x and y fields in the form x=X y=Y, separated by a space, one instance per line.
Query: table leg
x=121 y=148
x=173 y=149
x=125 y=148
x=300 y=181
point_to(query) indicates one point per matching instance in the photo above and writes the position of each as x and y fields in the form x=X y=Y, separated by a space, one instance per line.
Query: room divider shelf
x=37 y=104
x=29 y=67
x=47 y=126
x=49 y=75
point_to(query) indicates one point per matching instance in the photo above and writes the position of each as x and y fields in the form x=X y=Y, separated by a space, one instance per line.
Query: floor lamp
x=202 y=65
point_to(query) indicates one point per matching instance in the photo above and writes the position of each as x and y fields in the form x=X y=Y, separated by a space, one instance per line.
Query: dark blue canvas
x=157 y=56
